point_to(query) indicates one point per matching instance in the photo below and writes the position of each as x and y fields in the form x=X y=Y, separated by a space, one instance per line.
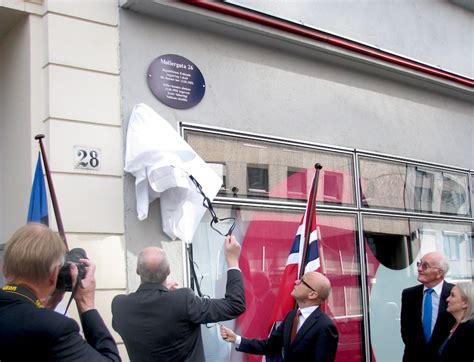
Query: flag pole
x=309 y=219
x=52 y=192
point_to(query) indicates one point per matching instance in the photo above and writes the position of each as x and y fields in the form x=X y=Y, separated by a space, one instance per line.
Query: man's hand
x=227 y=334
x=85 y=293
x=172 y=285
x=231 y=251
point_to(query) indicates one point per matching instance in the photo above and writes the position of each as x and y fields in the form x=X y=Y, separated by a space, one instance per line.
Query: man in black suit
x=306 y=334
x=159 y=324
x=422 y=335
x=29 y=329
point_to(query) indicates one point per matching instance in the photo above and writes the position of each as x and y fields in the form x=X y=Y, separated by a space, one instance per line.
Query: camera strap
x=73 y=292
x=24 y=292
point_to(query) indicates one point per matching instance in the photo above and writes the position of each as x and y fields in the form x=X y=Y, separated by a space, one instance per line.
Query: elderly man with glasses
x=306 y=334
x=425 y=323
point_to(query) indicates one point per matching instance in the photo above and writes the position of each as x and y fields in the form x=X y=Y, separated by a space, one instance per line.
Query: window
x=296 y=183
x=454 y=196
x=393 y=246
x=470 y=244
x=407 y=208
x=272 y=169
x=396 y=185
x=424 y=185
x=333 y=183
x=257 y=179
x=2 y=279
x=221 y=170
x=267 y=237
x=452 y=245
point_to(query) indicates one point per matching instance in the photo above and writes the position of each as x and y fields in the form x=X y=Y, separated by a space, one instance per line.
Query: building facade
x=386 y=106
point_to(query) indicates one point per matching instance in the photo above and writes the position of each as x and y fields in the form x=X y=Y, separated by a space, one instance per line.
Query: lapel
x=418 y=302
x=442 y=299
x=288 y=325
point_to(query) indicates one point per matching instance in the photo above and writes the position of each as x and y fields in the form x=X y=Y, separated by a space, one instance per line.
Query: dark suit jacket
x=316 y=340
x=416 y=348
x=161 y=325
x=459 y=346
x=28 y=333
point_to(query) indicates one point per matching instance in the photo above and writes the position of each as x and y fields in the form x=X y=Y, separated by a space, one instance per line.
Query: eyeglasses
x=424 y=265
x=309 y=286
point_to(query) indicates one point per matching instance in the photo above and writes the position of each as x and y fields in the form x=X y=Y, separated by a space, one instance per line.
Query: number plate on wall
x=87 y=158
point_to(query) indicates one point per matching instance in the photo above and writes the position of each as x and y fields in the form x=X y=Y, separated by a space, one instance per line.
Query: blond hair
x=467 y=294
x=32 y=253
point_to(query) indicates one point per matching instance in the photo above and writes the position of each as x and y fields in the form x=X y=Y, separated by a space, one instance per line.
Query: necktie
x=427 y=311
x=294 y=328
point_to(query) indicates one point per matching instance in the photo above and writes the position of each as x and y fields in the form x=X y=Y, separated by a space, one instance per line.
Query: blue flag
x=38 y=211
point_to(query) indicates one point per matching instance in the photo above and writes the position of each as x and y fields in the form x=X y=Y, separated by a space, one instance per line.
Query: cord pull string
x=206 y=202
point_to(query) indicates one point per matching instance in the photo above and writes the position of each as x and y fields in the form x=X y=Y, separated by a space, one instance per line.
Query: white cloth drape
x=161 y=162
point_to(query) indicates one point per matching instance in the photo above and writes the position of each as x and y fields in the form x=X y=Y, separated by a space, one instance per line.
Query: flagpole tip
x=318 y=166
x=39 y=136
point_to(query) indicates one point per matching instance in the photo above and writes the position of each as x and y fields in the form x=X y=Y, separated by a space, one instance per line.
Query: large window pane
x=406 y=187
x=2 y=279
x=393 y=245
x=267 y=170
x=266 y=238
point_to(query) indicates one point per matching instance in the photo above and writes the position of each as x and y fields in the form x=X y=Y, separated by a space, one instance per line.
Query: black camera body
x=64 y=281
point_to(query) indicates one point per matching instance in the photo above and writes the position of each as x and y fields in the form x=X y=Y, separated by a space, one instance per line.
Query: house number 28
x=87 y=158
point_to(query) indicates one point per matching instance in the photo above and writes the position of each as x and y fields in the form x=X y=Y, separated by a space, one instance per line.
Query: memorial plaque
x=176 y=81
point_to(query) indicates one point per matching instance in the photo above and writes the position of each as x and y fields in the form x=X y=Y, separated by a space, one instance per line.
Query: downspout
x=321 y=36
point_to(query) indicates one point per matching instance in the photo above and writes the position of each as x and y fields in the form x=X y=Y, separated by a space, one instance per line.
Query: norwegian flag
x=284 y=301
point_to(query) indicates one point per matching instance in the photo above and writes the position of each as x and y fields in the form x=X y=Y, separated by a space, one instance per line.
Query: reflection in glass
x=266 y=238
x=401 y=186
x=393 y=246
x=275 y=171
x=257 y=179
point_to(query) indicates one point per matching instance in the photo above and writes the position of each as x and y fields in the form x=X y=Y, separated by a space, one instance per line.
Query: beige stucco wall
x=59 y=72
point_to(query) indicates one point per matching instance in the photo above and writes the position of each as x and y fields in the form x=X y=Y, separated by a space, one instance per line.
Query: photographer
x=29 y=328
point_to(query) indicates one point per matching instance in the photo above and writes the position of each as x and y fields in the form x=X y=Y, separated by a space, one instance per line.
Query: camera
x=64 y=277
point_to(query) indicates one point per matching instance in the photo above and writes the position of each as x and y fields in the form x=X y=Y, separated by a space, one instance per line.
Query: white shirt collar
x=305 y=312
x=437 y=288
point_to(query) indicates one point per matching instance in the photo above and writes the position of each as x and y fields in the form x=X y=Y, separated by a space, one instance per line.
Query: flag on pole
x=38 y=210
x=284 y=301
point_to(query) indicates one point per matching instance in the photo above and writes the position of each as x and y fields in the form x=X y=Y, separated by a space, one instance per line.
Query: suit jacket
x=161 y=325
x=459 y=346
x=416 y=348
x=316 y=340
x=28 y=333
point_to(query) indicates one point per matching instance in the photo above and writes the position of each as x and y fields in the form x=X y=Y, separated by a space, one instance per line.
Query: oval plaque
x=176 y=81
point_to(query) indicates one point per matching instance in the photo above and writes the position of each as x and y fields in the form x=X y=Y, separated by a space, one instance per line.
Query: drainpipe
x=337 y=41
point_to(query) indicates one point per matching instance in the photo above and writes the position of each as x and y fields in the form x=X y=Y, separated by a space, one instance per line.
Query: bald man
x=160 y=322
x=315 y=335
x=425 y=323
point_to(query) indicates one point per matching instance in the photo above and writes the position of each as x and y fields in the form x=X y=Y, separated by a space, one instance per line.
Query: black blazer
x=459 y=346
x=28 y=333
x=161 y=325
x=416 y=348
x=316 y=340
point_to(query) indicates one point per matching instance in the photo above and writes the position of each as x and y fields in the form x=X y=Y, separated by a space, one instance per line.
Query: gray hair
x=467 y=295
x=153 y=272
x=444 y=265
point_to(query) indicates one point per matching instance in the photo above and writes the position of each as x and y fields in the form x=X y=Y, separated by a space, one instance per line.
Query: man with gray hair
x=425 y=323
x=160 y=322
x=30 y=329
